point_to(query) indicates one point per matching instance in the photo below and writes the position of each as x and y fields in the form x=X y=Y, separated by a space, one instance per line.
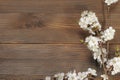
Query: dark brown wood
x=42 y=37
x=21 y=77
x=33 y=28
x=40 y=28
x=44 y=59
x=49 y=6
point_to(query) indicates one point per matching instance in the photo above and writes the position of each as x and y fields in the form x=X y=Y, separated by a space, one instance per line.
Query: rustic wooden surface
x=42 y=37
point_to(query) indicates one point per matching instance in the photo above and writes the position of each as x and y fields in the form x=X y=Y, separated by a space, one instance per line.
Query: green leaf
x=82 y=41
x=117 y=48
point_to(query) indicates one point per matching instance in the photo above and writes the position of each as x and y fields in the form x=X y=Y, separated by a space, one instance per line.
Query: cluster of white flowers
x=108 y=34
x=104 y=76
x=59 y=76
x=97 y=55
x=92 y=43
x=76 y=76
x=89 y=21
x=115 y=63
x=72 y=76
x=109 y=2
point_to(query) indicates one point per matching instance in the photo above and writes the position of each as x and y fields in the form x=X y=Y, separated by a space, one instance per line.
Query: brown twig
x=103 y=14
x=104 y=24
x=108 y=12
x=102 y=58
x=108 y=45
x=108 y=17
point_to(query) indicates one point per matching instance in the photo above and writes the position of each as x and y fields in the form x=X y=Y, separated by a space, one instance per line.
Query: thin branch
x=102 y=58
x=103 y=14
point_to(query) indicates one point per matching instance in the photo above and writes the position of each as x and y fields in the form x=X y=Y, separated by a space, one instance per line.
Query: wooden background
x=42 y=37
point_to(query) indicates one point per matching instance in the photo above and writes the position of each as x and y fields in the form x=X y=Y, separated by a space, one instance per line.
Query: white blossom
x=82 y=75
x=92 y=43
x=92 y=72
x=108 y=34
x=59 y=76
x=109 y=2
x=97 y=55
x=47 y=78
x=72 y=75
x=104 y=76
x=115 y=63
x=76 y=76
x=89 y=21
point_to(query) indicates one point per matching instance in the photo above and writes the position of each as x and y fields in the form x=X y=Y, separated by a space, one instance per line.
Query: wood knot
x=34 y=22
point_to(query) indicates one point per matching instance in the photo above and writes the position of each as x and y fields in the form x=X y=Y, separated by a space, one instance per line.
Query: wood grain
x=50 y=6
x=35 y=28
x=23 y=60
x=39 y=20
x=21 y=77
x=40 y=28
x=42 y=37
x=44 y=59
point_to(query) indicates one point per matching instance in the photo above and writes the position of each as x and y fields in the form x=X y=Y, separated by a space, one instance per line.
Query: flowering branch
x=95 y=42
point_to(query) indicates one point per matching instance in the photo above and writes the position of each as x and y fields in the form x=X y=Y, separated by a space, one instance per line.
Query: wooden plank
x=39 y=20
x=40 y=28
x=44 y=59
x=50 y=6
x=35 y=28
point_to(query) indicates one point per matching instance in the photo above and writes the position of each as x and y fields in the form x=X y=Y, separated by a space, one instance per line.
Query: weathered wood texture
x=42 y=37
x=44 y=59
